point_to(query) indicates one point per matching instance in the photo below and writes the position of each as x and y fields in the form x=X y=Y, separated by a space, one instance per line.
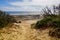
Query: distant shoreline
x=26 y=17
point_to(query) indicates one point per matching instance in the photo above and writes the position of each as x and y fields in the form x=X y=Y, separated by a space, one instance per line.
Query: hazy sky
x=26 y=5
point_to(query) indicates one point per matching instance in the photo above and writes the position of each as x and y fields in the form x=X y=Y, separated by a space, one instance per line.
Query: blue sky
x=26 y=5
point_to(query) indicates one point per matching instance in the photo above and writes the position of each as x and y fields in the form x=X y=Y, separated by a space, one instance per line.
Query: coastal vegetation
x=51 y=19
x=5 y=19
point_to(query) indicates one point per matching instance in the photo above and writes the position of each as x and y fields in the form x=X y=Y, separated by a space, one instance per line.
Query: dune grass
x=5 y=19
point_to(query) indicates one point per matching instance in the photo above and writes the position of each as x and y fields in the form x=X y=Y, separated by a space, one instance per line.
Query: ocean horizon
x=22 y=13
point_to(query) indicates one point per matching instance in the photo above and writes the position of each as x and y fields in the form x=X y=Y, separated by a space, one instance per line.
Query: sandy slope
x=23 y=31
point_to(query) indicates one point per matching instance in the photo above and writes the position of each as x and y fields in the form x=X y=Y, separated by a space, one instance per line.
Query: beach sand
x=23 y=31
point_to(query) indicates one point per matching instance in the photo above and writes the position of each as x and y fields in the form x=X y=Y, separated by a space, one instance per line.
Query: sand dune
x=23 y=31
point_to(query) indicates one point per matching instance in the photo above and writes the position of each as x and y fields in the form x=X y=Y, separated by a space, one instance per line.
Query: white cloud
x=37 y=2
x=25 y=8
x=46 y=2
x=31 y=5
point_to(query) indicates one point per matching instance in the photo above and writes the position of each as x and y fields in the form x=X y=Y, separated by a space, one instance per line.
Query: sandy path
x=24 y=32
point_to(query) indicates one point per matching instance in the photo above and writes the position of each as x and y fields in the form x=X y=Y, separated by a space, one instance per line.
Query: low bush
x=5 y=19
x=50 y=21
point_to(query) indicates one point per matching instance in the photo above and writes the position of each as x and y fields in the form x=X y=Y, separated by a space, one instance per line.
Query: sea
x=23 y=13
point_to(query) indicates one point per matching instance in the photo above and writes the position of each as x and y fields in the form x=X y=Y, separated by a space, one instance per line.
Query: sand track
x=23 y=31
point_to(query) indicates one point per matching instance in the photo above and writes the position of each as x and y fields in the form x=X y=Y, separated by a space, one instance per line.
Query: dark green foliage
x=49 y=21
x=5 y=19
x=56 y=23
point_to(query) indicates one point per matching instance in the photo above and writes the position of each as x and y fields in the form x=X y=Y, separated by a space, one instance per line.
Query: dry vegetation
x=23 y=31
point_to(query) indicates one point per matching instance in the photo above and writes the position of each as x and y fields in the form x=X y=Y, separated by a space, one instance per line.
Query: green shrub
x=56 y=23
x=5 y=19
x=43 y=23
x=49 y=21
